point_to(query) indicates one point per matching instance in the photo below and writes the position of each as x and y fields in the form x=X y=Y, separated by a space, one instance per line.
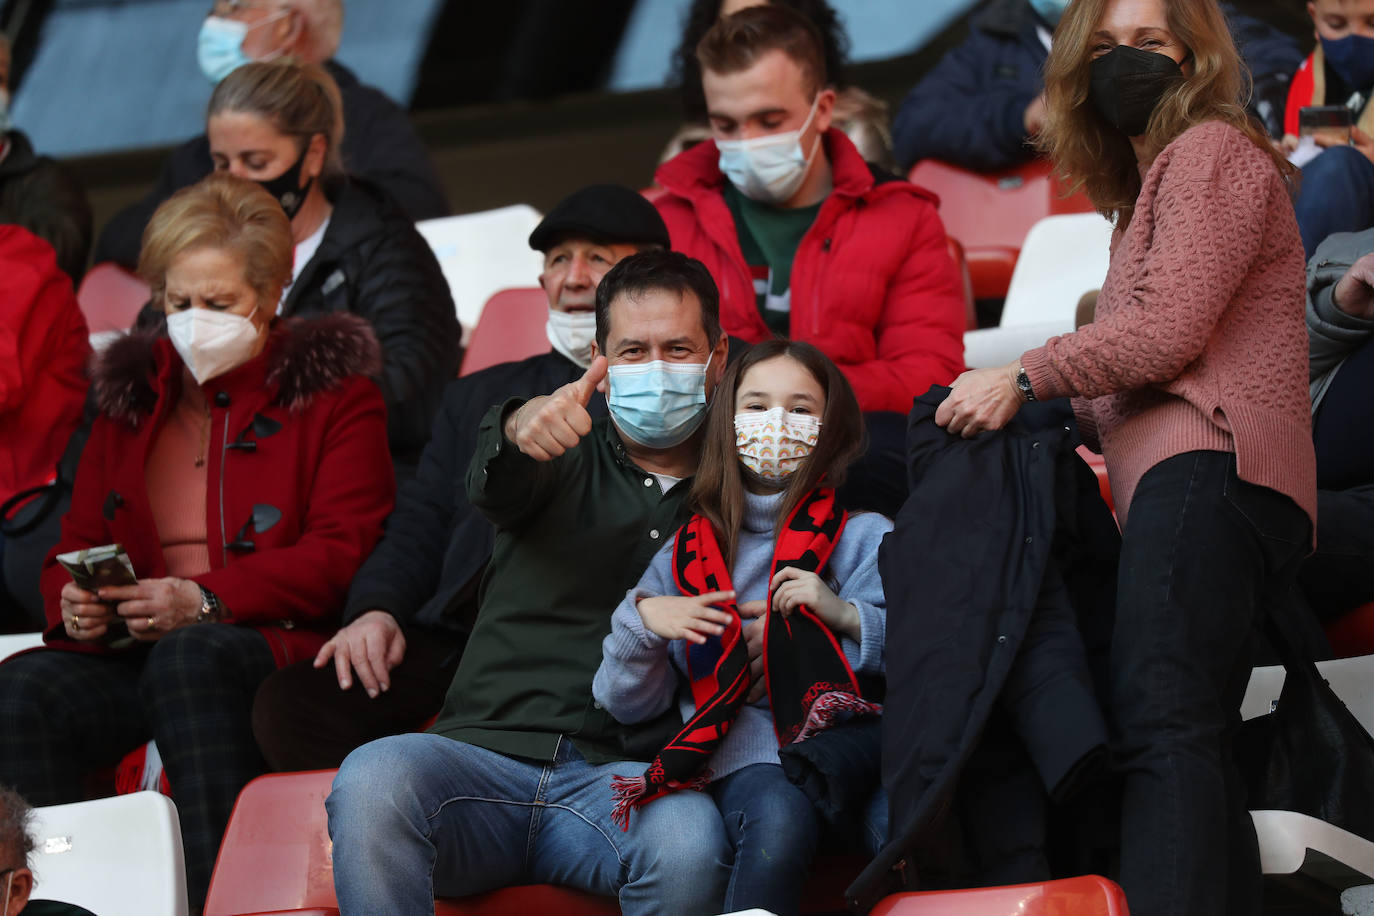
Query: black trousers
x=1202 y=553
x=63 y=714
x=303 y=721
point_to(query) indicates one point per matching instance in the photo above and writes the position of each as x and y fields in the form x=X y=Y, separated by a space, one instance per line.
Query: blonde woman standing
x=1192 y=382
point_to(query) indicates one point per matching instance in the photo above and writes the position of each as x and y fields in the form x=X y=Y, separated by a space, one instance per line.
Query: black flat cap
x=603 y=213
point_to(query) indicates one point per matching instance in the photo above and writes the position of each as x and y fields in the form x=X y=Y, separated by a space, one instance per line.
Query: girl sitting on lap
x=764 y=609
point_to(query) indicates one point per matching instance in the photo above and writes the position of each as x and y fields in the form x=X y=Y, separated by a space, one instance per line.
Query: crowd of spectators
x=747 y=527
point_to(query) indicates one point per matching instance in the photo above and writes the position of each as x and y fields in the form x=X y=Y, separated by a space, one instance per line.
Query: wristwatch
x=211 y=611
x=1023 y=384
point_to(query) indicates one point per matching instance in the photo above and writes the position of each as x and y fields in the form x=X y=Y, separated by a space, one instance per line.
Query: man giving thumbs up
x=580 y=507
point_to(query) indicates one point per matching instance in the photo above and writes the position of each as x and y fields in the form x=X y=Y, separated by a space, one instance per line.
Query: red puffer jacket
x=872 y=283
x=299 y=480
x=43 y=353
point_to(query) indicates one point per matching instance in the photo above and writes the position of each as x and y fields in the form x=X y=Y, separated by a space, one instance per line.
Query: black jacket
x=44 y=197
x=426 y=568
x=374 y=263
x=379 y=144
x=1001 y=566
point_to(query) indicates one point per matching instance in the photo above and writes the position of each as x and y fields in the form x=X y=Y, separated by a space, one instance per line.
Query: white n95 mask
x=212 y=343
x=572 y=334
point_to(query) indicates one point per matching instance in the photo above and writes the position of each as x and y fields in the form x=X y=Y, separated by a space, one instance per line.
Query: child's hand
x=681 y=617
x=793 y=587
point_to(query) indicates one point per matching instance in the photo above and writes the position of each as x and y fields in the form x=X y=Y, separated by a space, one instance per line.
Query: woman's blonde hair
x=298 y=99
x=1090 y=153
x=221 y=211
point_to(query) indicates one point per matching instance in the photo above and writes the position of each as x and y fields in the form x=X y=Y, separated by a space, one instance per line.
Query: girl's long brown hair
x=718 y=488
x=1094 y=156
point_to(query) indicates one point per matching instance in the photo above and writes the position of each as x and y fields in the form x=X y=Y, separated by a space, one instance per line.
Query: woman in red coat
x=241 y=461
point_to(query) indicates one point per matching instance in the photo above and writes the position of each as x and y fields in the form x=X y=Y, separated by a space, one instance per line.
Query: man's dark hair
x=734 y=43
x=669 y=271
x=16 y=843
x=702 y=14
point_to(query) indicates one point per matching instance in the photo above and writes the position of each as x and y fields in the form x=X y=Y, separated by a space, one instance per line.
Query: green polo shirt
x=573 y=534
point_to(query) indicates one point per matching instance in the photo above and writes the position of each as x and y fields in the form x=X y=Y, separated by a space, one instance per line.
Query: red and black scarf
x=808 y=678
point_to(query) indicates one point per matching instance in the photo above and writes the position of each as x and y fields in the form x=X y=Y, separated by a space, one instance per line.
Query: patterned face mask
x=774 y=443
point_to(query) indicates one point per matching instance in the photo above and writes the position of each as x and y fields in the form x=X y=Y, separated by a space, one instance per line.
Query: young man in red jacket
x=802 y=237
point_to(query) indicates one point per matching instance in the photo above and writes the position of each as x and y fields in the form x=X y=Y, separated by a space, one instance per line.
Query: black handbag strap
x=46 y=498
x=1299 y=664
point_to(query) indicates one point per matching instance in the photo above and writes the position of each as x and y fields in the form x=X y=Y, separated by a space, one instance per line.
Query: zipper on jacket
x=223 y=454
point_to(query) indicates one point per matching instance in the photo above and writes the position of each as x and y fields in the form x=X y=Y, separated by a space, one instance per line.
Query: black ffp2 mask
x=1127 y=85
x=286 y=187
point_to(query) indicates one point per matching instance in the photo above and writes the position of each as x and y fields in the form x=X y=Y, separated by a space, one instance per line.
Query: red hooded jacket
x=300 y=478
x=43 y=351
x=872 y=282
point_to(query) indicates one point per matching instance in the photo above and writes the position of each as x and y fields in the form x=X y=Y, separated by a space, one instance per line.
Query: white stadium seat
x=1063 y=257
x=484 y=253
x=119 y=856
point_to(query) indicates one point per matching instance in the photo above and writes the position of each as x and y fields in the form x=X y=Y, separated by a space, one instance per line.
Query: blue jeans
x=773 y=829
x=412 y=816
x=1336 y=195
x=1201 y=554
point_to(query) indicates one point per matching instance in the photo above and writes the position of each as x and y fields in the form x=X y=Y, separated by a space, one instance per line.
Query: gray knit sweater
x=641 y=674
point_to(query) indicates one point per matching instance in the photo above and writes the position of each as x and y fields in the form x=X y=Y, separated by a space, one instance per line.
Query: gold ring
x=152 y=623
x=76 y=623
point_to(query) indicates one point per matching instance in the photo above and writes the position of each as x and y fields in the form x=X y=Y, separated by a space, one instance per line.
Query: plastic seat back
x=1352 y=633
x=512 y=327
x=1089 y=895
x=990 y=214
x=13 y=644
x=276 y=854
x=1063 y=258
x=956 y=254
x=483 y=253
x=110 y=298
x=119 y=856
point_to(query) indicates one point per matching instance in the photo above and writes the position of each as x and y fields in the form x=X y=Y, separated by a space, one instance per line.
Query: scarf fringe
x=630 y=792
x=833 y=708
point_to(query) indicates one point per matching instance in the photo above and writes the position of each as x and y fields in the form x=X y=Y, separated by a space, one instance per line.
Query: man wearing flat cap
x=411 y=605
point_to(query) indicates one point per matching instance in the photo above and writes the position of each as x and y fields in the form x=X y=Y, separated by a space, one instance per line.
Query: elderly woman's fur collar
x=305 y=356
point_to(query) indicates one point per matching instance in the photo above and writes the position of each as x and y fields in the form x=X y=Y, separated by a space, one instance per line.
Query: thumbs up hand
x=547 y=426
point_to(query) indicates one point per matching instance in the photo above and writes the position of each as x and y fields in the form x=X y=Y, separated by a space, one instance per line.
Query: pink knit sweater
x=1199 y=341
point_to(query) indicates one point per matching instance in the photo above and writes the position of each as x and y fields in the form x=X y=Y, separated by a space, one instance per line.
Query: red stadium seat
x=1099 y=466
x=1086 y=896
x=110 y=298
x=956 y=254
x=512 y=327
x=990 y=214
x=1352 y=634
x=276 y=859
x=653 y=193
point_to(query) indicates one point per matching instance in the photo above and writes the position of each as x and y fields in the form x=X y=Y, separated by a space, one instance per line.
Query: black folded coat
x=1000 y=578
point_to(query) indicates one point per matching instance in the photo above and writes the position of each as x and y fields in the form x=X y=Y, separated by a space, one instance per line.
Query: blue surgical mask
x=657 y=404
x=771 y=168
x=1049 y=10
x=1352 y=57
x=220 y=47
